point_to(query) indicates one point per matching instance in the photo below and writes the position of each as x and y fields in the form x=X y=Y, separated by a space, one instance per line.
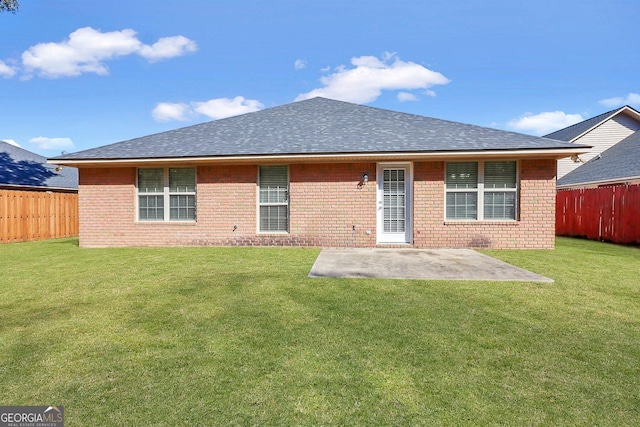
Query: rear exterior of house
x=322 y=173
x=318 y=204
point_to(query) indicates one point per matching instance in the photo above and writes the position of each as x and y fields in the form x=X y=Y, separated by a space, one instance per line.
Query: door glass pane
x=393 y=200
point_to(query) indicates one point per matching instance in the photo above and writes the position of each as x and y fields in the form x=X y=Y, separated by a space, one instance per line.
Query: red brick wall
x=328 y=207
x=535 y=228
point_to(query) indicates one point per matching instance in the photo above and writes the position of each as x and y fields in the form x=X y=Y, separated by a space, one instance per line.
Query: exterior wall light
x=365 y=178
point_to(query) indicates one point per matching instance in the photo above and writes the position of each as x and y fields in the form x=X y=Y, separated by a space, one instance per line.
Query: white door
x=394 y=203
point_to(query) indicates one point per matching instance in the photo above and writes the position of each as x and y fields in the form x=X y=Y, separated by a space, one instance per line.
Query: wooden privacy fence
x=37 y=215
x=607 y=213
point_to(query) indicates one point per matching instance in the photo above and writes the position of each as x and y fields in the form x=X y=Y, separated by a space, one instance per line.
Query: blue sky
x=76 y=74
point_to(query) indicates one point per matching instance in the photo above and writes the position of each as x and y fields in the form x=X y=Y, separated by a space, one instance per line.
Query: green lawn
x=241 y=336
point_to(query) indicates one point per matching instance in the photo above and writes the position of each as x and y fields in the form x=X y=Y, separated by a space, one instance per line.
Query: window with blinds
x=151 y=194
x=182 y=194
x=462 y=190
x=500 y=187
x=167 y=194
x=273 y=198
x=481 y=190
x=462 y=175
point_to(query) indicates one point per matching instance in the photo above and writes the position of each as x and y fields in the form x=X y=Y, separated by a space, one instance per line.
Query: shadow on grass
x=65 y=241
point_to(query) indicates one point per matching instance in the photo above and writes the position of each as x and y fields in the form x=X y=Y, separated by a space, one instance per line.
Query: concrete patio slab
x=425 y=264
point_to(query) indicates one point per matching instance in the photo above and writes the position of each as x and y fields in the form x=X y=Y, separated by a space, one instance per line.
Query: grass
x=241 y=336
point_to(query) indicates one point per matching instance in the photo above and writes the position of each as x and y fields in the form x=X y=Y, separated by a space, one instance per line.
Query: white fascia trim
x=600 y=182
x=550 y=153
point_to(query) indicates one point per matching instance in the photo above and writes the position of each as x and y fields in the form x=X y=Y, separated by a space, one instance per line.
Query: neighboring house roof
x=600 y=132
x=573 y=132
x=22 y=168
x=619 y=163
x=317 y=127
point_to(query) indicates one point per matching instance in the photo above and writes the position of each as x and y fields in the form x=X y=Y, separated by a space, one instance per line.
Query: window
x=274 y=199
x=500 y=189
x=462 y=190
x=150 y=194
x=167 y=194
x=481 y=190
x=182 y=194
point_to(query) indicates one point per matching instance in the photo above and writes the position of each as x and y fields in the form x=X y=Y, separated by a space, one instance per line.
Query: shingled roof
x=22 y=168
x=570 y=133
x=317 y=126
x=619 y=163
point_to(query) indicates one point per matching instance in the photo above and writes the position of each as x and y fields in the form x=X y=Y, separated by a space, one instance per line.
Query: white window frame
x=480 y=191
x=166 y=196
x=260 y=204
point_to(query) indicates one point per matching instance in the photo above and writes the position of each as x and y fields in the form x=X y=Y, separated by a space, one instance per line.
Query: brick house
x=322 y=173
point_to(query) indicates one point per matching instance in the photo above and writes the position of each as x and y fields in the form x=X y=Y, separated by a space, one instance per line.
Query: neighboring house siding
x=601 y=138
x=327 y=208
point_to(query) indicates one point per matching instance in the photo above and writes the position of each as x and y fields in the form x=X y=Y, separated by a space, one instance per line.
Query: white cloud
x=218 y=108
x=51 y=144
x=226 y=107
x=86 y=50
x=7 y=71
x=544 y=123
x=166 y=111
x=370 y=76
x=168 y=47
x=11 y=142
x=300 y=64
x=406 y=96
x=619 y=101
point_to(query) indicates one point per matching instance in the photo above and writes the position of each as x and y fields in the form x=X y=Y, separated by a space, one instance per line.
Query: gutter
x=320 y=158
